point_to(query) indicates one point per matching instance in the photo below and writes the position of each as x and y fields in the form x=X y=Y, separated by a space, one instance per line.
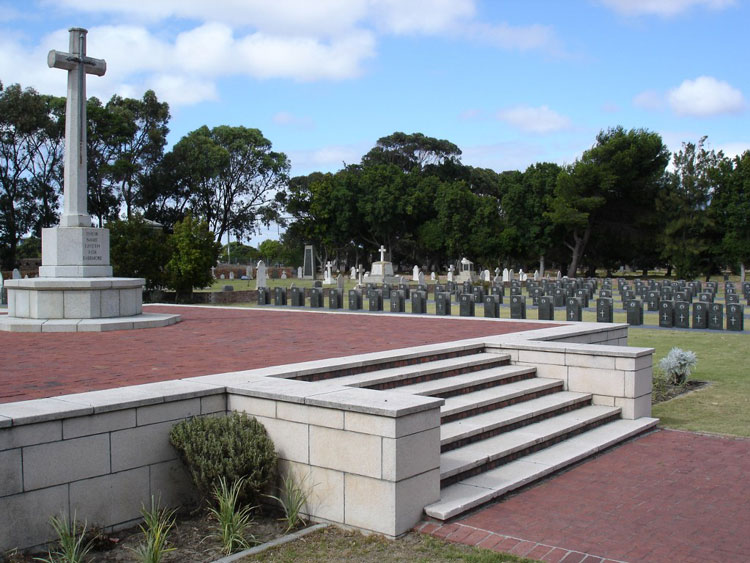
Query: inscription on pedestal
x=92 y=247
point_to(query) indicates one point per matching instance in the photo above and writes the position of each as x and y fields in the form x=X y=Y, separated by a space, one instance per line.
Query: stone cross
x=78 y=65
x=382 y=253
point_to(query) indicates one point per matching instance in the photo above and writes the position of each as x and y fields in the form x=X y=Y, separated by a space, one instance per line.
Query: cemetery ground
x=676 y=463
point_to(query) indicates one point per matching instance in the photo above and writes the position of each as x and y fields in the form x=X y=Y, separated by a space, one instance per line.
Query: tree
x=731 y=205
x=139 y=249
x=609 y=193
x=411 y=150
x=193 y=252
x=271 y=251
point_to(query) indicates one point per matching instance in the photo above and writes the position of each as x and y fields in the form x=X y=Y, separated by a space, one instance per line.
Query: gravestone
x=297 y=296
x=279 y=296
x=499 y=291
x=299 y=273
x=516 y=290
x=328 y=275
x=420 y=279
x=666 y=314
x=353 y=273
x=605 y=293
x=558 y=297
x=261 y=281
x=283 y=275
x=432 y=277
x=387 y=291
x=450 y=274
x=415 y=273
x=316 y=298
x=222 y=277
x=478 y=294
x=404 y=287
x=682 y=314
x=492 y=306
x=634 y=309
x=227 y=288
x=419 y=302
x=732 y=298
x=308 y=263
x=735 y=317
x=700 y=314
x=546 y=308
x=335 y=298
x=706 y=297
x=652 y=299
x=466 y=305
x=340 y=283
x=467 y=271
x=573 y=309
x=442 y=303
x=231 y=274
x=506 y=276
x=398 y=301
x=517 y=307
x=375 y=299
x=264 y=296
x=605 y=310
x=716 y=316
x=355 y=300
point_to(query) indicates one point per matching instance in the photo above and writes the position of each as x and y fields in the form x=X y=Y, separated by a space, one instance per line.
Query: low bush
x=231 y=447
x=678 y=365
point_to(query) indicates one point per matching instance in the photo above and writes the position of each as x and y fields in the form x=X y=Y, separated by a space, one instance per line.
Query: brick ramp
x=213 y=340
x=665 y=497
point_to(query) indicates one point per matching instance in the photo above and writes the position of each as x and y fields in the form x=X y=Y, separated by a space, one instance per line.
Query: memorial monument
x=75 y=290
x=382 y=271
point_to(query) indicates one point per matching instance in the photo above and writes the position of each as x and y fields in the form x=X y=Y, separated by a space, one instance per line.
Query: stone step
x=477 y=402
x=465 y=431
x=405 y=375
x=478 y=457
x=480 y=489
x=469 y=382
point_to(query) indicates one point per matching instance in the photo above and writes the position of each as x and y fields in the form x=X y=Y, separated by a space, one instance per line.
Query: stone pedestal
x=75 y=252
x=382 y=272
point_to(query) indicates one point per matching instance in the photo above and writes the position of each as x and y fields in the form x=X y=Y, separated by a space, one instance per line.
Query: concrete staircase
x=502 y=427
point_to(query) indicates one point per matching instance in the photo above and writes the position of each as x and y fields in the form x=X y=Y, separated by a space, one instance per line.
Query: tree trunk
x=580 y=246
x=541 y=267
x=742 y=272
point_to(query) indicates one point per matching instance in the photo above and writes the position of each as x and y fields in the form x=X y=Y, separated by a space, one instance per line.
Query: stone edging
x=273 y=543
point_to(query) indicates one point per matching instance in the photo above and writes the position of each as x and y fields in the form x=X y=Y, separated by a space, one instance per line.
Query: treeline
x=618 y=204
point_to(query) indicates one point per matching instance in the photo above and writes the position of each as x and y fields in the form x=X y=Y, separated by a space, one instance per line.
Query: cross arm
x=66 y=61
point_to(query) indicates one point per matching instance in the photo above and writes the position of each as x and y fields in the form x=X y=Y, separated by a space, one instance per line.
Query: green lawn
x=724 y=406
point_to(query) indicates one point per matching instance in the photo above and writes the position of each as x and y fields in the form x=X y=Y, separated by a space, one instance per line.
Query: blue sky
x=510 y=82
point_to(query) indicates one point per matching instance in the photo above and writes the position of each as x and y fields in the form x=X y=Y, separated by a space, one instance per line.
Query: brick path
x=666 y=497
x=211 y=340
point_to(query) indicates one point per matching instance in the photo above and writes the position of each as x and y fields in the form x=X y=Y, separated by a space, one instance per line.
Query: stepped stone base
x=78 y=304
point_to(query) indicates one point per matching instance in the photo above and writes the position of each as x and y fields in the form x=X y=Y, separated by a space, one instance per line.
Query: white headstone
x=536 y=275
x=299 y=272
x=506 y=275
x=16 y=274
x=511 y=275
x=415 y=273
x=450 y=273
x=231 y=274
x=283 y=275
x=353 y=273
x=522 y=276
x=420 y=278
x=559 y=275
x=382 y=251
x=261 y=281
x=432 y=276
x=222 y=276
x=328 y=279
x=486 y=276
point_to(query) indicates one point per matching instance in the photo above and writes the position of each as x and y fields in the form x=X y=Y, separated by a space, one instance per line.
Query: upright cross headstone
x=382 y=251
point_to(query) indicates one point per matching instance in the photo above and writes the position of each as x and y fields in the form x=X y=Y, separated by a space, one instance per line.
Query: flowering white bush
x=677 y=365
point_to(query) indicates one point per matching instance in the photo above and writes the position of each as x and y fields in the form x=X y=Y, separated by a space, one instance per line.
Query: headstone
x=732 y=298
x=299 y=272
x=386 y=291
x=398 y=301
x=682 y=314
x=706 y=297
x=316 y=298
x=415 y=273
x=336 y=298
x=308 y=263
x=375 y=299
x=450 y=273
x=264 y=296
x=735 y=317
x=420 y=279
x=442 y=303
x=283 y=274
x=231 y=274
x=546 y=308
x=419 y=302
x=700 y=314
x=604 y=310
x=486 y=276
x=634 y=309
x=666 y=313
x=328 y=276
x=573 y=309
x=511 y=275
x=340 y=282
x=466 y=305
x=492 y=306
x=355 y=300
x=498 y=290
x=716 y=316
x=517 y=307
x=652 y=299
x=432 y=276
x=261 y=269
x=478 y=294
x=605 y=293
x=536 y=275
x=558 y=297
x=279 y=296
x=228 y=288
x=506 y=275
x=353 y=273
x=222 y=276
x=297 y=296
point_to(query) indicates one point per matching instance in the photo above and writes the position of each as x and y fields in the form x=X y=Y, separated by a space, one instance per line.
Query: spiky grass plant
x=157 y=523
x=232 y=519
x=293 y=499
x=72 y=545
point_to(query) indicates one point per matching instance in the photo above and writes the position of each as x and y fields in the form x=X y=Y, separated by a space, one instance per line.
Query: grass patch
x=334 y=545
x=722 y=407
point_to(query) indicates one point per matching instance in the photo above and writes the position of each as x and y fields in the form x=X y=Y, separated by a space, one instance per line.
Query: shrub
x=677 y=365
x=230 y=447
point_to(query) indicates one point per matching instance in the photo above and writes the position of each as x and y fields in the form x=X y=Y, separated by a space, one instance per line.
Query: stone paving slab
x=665 y=497
x=213 y=340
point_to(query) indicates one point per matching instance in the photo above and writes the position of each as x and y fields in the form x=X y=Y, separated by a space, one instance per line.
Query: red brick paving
x=211 y=340
x=666 y=497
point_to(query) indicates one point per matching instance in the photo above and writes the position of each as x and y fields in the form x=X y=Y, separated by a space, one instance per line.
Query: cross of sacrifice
x=382 y=253
x=78 y=65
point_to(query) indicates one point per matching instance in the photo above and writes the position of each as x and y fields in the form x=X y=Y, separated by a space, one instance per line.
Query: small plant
x=233 y=520
x=230 y=447
x=292 y=498
x=677 y=365
x=157 y=523
x=73 y=547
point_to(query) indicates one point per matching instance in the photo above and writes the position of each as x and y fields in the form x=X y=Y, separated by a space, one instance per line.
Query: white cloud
x=421 y=16
x=734 y=149
x=664 y=8
x=505 y=36
x=287 y=118
x=649 y=99
x=705 y=96
x=326 y=159
x=539 y=120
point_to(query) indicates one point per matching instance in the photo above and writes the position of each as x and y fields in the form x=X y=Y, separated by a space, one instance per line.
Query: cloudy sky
x=511 y=82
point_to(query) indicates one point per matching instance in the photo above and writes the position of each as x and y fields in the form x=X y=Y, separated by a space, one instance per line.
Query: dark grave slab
x=279 y=296
x=450 y=287
x=546 y=308
x=318 y=283
x=716 y=316
x=682 y=314
x=583 y=296
x=515 y=290
x=375 y=299
x=316 y=298
x=574 y=309
x=735 y=317
x=466 y=305
x=634 y=309
x=558 y=297
x=605 y=310
x=335 y=298
x=355 y=300
x=467 y=287
x=700 y=314
x=386 y=291
x=667 y=292
x=536 y=293
x=628 y=295
x=652 y=300
x=732 y=298
x=492 y=306
x=499 y=291
x=439 y=288
x=297 y=296
x=746 y=288
x=666 y=313
x=478 y=294
x=443 y=304
x=424 y=287
x=607 y=293
x=419 y=302
x=264 y=296
x=706 y=297
x=683 y=297
x=406 y=289
x=517 y=307
x=398 y=301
